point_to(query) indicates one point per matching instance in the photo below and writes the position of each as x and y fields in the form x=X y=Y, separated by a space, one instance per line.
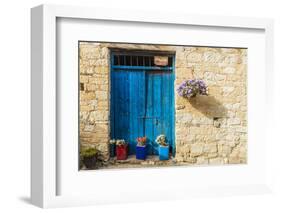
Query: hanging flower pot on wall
x=190 y=88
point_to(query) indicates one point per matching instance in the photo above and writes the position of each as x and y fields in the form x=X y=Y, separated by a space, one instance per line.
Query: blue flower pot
x=141 y=152
x=163 y=152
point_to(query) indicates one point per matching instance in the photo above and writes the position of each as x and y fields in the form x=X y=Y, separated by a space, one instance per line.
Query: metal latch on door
x=150 y=117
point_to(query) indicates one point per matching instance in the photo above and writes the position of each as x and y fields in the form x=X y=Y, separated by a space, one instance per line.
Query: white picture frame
x=44 y=153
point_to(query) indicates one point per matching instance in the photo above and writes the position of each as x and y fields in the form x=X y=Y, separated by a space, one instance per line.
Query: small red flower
x=141 y=141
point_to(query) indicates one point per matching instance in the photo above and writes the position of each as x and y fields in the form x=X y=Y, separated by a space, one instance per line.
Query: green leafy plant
x=89 y=152
x=89 y=157
x=161 y=140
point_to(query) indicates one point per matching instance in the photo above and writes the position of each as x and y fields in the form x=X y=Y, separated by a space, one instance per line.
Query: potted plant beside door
x=89 y=157
x=163 y=148
x=141 y=148
x=112 y=148
x=121 y=150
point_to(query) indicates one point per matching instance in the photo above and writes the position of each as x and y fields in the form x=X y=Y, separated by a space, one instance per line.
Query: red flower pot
x=122 y=152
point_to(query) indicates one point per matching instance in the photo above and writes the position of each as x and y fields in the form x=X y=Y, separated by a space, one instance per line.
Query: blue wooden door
x=142 y=104
x=159 y=108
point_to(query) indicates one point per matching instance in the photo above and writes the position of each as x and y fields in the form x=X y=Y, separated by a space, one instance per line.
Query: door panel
x=127 y=106
x=136 y=106
x=158 y=109
x=149 y=115
x=167 y=106
x=120 y=100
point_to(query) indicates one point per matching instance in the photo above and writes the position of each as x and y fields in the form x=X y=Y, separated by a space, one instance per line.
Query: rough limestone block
x=196 y=149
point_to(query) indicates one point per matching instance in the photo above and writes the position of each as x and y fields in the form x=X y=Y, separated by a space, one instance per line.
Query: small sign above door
x=161 y=60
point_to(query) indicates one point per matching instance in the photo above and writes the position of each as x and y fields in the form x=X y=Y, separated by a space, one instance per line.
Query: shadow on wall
x=209 y=106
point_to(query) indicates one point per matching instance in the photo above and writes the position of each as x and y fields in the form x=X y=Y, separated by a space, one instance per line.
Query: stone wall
x=212 y=129
x=94 y=96
x=208 y=129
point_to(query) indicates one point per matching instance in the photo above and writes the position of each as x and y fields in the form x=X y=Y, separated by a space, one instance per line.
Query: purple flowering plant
x=190 y=88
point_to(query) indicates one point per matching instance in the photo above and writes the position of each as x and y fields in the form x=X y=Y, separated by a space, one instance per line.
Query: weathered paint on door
x=142 y=104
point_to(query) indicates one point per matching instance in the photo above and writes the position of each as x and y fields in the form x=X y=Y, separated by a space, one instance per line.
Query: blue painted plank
x=120 y=98
x=117 y=106
x=132 y=112
x=126 y=106
x=167 y=126
x=157 y=109
x=112 y=85
x=137 y=95
x=148 y=127
x=141 y=103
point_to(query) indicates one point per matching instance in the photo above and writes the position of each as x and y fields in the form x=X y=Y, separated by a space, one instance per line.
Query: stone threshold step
x=151 y=159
